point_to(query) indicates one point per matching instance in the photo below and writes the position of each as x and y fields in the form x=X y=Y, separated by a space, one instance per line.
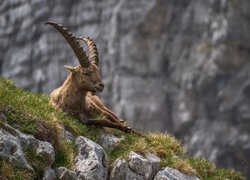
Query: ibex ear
x=70 y=68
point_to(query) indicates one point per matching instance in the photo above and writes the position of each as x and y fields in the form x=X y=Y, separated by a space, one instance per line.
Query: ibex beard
x=77 y=94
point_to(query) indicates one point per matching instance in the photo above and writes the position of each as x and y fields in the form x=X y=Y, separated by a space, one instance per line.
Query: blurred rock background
x=171 y=65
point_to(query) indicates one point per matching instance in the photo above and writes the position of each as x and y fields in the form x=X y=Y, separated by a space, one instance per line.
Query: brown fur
x=76 y=95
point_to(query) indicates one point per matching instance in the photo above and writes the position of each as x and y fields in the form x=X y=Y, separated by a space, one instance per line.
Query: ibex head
x=86 y=75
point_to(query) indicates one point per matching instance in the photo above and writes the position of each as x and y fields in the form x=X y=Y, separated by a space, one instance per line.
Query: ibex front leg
x=103 y=123
x=97 y=106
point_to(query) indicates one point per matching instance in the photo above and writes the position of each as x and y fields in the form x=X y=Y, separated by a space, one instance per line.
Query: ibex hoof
x=130 y=128
x=121 y=120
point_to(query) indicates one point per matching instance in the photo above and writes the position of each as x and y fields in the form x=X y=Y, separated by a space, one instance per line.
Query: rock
x=122 y=171
x=154 y=161
x=140 y=165
x=137 y=167
x=109 y=140
x=69 y=136
x=173 y=174
x=11 y=147
x=14 y=145
x=46 y=152
x=90 y=161
x=3 y=117
x=63 y=173
x=119 y=170
x=49 y=174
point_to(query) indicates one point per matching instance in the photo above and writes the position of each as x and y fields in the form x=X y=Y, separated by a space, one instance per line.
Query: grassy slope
x=30 y=113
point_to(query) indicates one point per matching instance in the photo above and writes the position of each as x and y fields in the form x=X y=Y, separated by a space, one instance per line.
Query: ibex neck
x=74 y=96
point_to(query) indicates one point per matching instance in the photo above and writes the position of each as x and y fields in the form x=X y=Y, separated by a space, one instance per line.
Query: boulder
x=122 y=171
x=14 y=145
x=11 y=148
x=136 y=167
x=109 y=140
x=154 y=161
x=46 y=152
x=49 y=174
x=173 y=174
x=140 y=165
x=90 y=161
x=63 y=173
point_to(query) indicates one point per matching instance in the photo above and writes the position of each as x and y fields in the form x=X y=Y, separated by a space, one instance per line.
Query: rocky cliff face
x=184 y=63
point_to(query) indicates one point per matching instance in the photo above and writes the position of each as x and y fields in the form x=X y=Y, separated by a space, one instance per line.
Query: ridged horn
x=73 y=42
x=93 y=51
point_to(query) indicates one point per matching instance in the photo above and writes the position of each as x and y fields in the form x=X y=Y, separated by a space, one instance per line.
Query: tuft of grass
x=184 y=166
x=65 y=155
x=9 y=171
x=35 y=161
x=32 y=114
x=208 y=170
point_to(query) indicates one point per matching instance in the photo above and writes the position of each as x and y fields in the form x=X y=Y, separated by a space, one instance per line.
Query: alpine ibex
x=77 y=94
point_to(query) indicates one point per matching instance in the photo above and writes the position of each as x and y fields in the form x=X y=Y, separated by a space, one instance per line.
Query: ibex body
x=77 y=94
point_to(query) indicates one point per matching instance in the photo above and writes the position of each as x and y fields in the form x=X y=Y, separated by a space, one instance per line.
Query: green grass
x=8 y=171
x=32 y=114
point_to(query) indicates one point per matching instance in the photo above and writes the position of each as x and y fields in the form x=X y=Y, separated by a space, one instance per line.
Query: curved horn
x=73 y=42
x=93 y=51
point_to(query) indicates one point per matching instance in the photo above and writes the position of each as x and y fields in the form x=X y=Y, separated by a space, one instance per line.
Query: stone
x=90 y=161
x=119 y=170
x=173 y=174
x=49 y=174
x=14 y=144
x=140 y=165
x=154 y=161
x=122 y=171
x=11 y=149
x=63 y=173
x=46 y=152
x=136 y=167
x=3 y=117
x=109 y=140
x=69 y=136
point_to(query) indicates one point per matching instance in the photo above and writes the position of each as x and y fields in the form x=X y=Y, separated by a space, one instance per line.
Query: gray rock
x=154 y=161
x=3 y=117
x=90 y=161
x=137 y=167
x=46 y=152
x=140 y=165
x=14 y=144
x=119 y=170
x=122 y=171
x=69 y=136
x=49 y=174
x=11 y=148
x=109 y=140
x=63 y=173
x=173 y=174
